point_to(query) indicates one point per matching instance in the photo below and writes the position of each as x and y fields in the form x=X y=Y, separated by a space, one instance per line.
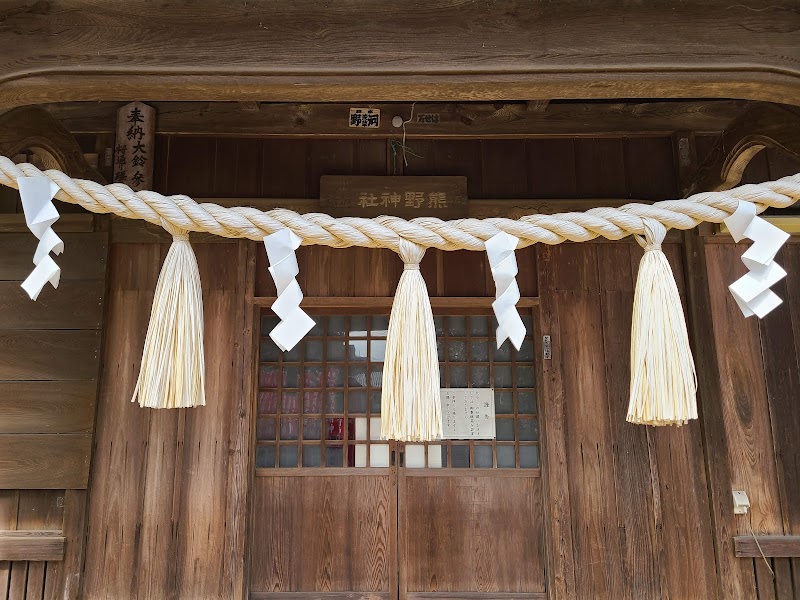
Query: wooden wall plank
x=44 y=460
x=49 y=355
x=649 y=168
x=47 y=406
x=32 y=545
x=504 y=172
x=73 y=305
x=785 y=546
x=600 y=168
x=83 y=257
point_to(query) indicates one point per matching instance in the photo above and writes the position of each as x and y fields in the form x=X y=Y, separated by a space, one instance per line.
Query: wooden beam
x=762 y=126
x=782 y=546
x=32 y=545
x=452 y=120
x=93 y=50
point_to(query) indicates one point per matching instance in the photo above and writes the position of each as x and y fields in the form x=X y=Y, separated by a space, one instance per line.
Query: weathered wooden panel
x=49 y=355
x=84 y=257
x=785 y=546
x=47 y=406
x=321 y=534
x=31 y=545
x=44 y=461
x=73 y=305
x=157 y=510
x=478 y=533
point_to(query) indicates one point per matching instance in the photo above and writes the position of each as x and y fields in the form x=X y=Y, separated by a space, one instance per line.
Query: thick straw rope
x=386 y=232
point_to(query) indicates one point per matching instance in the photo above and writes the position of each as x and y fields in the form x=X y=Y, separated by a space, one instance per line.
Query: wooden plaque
x=408 y=197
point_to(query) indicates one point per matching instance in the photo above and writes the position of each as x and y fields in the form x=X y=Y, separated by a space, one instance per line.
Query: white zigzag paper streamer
x=295 y=323
x=37 y=201
x=503 y=263
x=751 y=291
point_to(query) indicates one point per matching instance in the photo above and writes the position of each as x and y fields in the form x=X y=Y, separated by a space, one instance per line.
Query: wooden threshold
x=322 y=471
x=32 y=545
x=777 y=546
x=319 y=595
x=476 y=596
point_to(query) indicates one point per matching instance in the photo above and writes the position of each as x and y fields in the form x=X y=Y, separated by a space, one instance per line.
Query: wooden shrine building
x=280 y=487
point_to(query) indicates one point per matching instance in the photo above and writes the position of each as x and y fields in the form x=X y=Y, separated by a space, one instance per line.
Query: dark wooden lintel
x=438 y=119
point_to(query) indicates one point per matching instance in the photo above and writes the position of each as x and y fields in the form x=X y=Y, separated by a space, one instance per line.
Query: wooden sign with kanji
x=133 y=148
x=407 y=197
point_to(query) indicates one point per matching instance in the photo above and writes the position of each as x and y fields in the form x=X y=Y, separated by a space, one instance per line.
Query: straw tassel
x=172 y=374
x=411 y=404
x=663 y=379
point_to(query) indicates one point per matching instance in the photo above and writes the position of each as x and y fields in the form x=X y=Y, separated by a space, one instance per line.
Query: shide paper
x=752 y=291
x=37 y=201
x=295 y=323
x=503 y=263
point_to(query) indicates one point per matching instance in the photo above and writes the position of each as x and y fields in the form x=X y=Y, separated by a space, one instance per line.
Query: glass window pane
x=334 y=456
x=526 y=402
x=379 y=455
x=294 y=354
x=290 y=402
x=334 y=376
x=313 y=350
x=337 y=350
x=525 y=377
x=505 y=457
x=438 y=324
x=268 y=402
x=357 y=350
x=526 y=351
x=375 y=402
x=337 y=326
x=313 y=377
x=479 y=350
x=312 y=401
x=288 y=456
x=528 y=429
x=375 y=375
x=266 y=430
x=380 y=325
x=358 y=326
x=458 y=376
x=312 y=429
x=291 y=377
x=483 y=457
x=334 y=402
x=440 y=349
x=319 y=326
x=504 y=428
x=415 y=456
x=377 y=350
x=503 y=402
x=503 y=353
x=529 y=457
x=527 y=320
x=359 y=453
x=269 y=352
x=442 y=376
x=480 y=376
x=478 y=326
x=265 y=457
x=460 y=456
x=357 y=376
x=502 y=377
x=289 y=428
x=334 y=428
x=360 y=426
x=269 y=377
x=457 y=326
x=312 y=455
x=437 y=456
x=357 y=402
x=268 y=323
x=457 y=350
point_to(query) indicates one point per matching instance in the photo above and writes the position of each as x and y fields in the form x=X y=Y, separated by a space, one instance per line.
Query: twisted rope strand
x=387 y=232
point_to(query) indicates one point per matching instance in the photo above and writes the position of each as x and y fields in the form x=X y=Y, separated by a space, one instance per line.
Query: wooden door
x=470 y=512
x=338 y=513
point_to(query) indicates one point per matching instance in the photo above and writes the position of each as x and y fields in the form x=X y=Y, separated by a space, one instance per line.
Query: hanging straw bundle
x=663 y=379
x=411 y=405
x=172 y=374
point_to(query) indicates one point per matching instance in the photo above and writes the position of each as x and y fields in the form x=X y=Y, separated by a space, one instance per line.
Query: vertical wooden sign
x=133 y=150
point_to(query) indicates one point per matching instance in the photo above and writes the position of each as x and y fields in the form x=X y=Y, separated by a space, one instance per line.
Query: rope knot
x=411 y=266
x=411 y=254
x=654 y=234
x=178 y=234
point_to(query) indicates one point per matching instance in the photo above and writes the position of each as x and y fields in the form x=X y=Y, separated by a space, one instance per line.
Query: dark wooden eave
x=309 y=51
